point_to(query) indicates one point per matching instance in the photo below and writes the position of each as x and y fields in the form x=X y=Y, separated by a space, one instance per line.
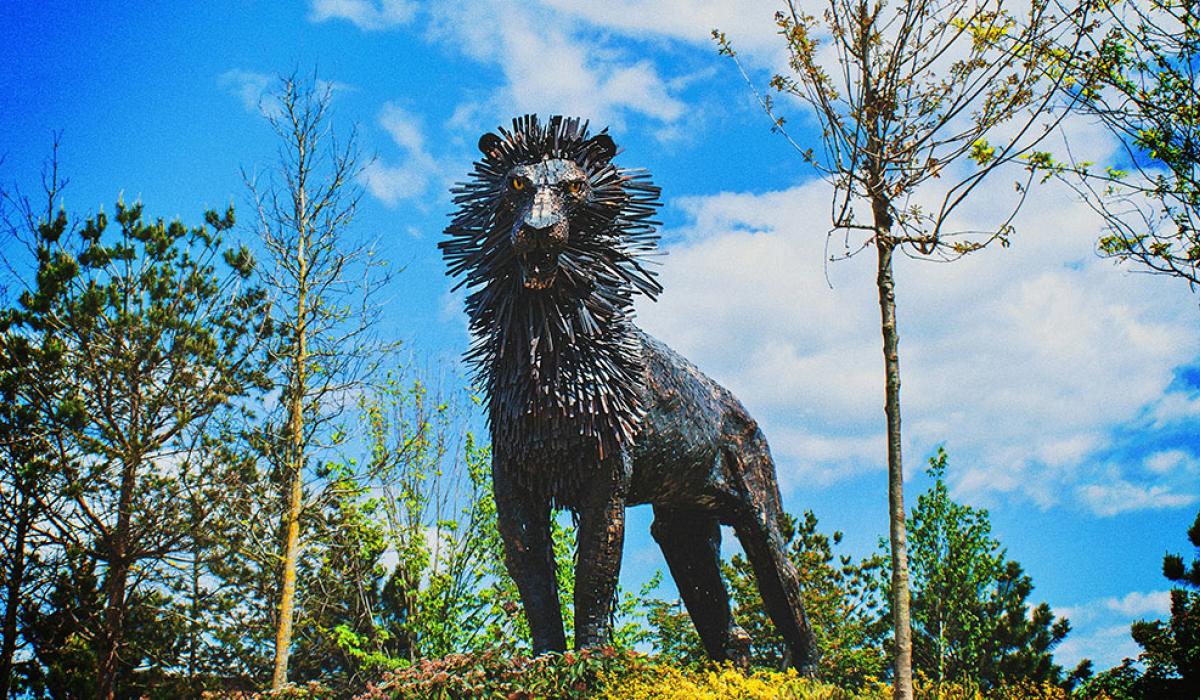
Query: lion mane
x=561 y=366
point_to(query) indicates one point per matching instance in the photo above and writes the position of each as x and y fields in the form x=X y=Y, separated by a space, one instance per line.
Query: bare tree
x=325 y=311
x=918 y=102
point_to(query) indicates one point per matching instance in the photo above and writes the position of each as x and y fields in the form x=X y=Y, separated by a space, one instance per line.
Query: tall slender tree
x=907 y=94
x=326 y=284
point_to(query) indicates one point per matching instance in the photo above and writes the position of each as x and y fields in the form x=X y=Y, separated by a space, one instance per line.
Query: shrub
x=724 y=682
x=494 y=674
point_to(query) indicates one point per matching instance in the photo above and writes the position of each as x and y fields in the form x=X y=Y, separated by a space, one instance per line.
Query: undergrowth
x=609 y=674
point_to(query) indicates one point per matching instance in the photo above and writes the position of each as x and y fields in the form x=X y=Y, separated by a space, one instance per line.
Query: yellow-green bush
x=665 y=682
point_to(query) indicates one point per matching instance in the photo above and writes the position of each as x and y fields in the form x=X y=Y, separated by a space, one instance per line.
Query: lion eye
x=517 y=184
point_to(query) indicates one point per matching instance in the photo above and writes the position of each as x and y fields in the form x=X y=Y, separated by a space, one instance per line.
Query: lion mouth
x=539 y=268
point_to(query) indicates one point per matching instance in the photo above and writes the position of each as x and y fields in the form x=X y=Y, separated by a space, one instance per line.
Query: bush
x=494 y=674
x=724 y=682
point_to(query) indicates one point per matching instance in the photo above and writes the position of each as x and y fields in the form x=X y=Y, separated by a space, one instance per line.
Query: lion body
x=590 y=413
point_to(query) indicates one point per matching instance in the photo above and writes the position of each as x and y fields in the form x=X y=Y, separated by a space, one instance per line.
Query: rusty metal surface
x=590 y=413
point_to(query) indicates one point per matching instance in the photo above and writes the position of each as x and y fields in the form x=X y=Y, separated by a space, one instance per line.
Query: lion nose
x=542 y=226
x=543 y=215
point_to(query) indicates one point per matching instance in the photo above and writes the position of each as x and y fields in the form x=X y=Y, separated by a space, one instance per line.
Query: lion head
x=549 y=197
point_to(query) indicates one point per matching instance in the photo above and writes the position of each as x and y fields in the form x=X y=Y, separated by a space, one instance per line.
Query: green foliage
x=1138 y=79
x=496 y=674
x=971 y=619
x=1171 y=648
x=446 y=593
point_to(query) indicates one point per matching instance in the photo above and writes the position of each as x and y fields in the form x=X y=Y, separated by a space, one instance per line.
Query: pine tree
x=1171 y=648
x=159 y=329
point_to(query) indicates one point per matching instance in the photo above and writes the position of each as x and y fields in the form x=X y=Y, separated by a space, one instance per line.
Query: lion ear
x=489 y=144
x=602 y=148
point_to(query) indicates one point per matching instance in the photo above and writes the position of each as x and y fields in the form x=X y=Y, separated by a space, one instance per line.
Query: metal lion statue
x=589 y=413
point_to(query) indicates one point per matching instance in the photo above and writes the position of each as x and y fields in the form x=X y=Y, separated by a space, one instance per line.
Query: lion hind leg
x=691 y=544
x=756 y=518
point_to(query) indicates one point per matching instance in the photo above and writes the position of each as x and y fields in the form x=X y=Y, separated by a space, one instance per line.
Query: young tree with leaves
x=908 y=94
x=324 y=310
x=1140 y=76
x=972 y=622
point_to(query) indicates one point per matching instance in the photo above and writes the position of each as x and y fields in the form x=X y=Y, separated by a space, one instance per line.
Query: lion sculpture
x=589 y=413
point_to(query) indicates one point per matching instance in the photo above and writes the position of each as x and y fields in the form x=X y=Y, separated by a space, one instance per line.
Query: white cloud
x=549 y=65
x=1025 y=359
x=1138 y=605
x=749 y=24
x=250 y=87
x=391 y=184
x=417 y=169
x=1170 y=462
x=1176 y=407
x=367 y=15
x=1106 y=647
x=1100 y=628
x=1120 y=496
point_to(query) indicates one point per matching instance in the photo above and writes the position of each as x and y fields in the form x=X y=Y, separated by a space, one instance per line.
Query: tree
x=26 y=465
x=907 y=94
x=1171 y=648
x=159 y=330
x=972 y=623
x=324 y=310
x=1139 y=78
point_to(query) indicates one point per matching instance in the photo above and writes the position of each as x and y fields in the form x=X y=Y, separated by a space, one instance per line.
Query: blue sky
x=1065 y=388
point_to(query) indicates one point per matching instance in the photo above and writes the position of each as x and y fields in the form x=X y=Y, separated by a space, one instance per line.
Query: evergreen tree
x=159 y=329
x=844 y=600
x=1171 y=648
x=972 y=622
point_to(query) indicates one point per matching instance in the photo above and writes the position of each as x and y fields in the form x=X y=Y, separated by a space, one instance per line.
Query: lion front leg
x=524 y=524
x=600 y=538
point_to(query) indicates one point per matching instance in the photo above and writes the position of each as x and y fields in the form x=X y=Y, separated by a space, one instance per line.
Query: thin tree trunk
x=902 y=669
x=194 y=622
x=287 y=594
x=14 y=580
x=113 y=631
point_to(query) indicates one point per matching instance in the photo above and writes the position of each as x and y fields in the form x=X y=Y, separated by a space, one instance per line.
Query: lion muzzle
x=539 y=235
